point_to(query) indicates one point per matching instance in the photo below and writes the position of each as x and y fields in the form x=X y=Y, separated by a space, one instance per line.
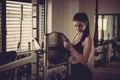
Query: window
x=108 y=26
x=20 y=25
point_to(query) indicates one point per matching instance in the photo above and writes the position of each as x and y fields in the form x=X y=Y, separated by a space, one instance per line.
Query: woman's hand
x=67 y=45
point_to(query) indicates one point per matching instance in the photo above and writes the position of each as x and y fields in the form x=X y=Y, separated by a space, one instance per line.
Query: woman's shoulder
x=88 y=39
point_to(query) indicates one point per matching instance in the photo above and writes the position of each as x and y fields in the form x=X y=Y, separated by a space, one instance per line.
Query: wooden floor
x=110 y=72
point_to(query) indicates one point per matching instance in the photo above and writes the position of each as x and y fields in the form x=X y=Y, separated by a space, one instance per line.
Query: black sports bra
x=79 y=47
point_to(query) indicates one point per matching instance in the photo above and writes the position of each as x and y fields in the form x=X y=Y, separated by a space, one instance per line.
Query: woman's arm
x=82 y=58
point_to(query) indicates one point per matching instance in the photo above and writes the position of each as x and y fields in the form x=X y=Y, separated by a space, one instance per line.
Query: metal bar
x=45 y=43
x=3 y=26
x=16 y=63
x=45 y=16
x=36 y=5
x=37 y=20
x=45 y=65
x=96 y=26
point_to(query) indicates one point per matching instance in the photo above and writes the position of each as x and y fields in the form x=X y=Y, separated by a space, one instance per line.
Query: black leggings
x=80 y=72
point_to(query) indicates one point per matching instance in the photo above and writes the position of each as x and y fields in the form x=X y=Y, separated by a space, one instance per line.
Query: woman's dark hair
x=83 y=18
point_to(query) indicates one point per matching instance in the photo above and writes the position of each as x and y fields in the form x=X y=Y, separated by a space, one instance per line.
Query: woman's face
x=80 y=26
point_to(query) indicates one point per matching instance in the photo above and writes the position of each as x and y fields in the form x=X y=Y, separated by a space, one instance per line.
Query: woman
x=80 y=48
